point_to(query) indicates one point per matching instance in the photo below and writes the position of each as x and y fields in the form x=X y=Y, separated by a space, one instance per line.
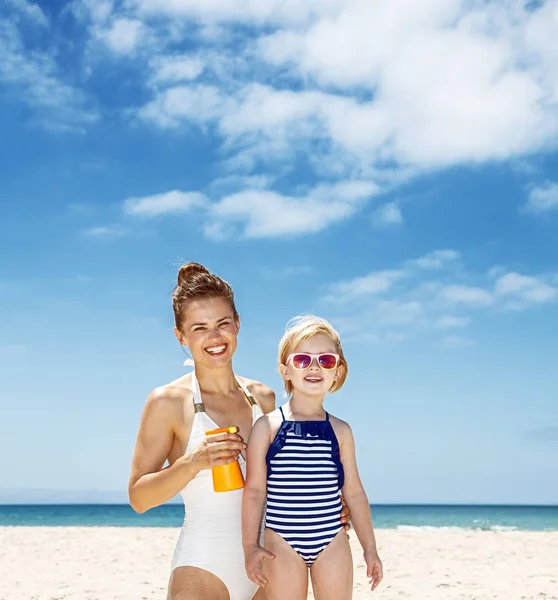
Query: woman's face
x=210 y=330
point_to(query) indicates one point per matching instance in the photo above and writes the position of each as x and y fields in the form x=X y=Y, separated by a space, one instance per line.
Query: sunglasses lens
x=301 y=361
x=328 y=361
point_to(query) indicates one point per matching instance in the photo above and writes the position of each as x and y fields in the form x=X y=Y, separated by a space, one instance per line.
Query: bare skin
x=166 y=425
x=286 y=575
x=163 y=436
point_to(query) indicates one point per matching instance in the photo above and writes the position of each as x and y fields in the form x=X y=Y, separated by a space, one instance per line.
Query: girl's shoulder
x=341 y=428
x=275 y=416
x=267 y=426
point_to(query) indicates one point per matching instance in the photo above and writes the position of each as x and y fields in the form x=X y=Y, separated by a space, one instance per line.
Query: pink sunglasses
x=302 y=360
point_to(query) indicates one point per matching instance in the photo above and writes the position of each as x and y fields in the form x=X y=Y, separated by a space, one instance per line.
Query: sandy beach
x=102 y=563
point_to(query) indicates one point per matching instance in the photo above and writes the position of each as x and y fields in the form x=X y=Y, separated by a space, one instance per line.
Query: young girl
x=299 y=459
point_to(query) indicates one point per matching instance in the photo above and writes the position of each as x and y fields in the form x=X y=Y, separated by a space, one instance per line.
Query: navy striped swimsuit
x=304 y=481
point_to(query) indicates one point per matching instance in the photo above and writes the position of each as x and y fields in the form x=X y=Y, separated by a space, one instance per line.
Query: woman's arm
x=358 y=504
x=152 y=485
x=253 y=499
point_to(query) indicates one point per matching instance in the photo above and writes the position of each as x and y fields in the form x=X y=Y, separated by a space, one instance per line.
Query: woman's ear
x=237 y=323
x=180 y=337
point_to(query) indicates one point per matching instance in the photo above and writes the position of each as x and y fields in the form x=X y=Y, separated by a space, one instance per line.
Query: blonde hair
x=302 y=328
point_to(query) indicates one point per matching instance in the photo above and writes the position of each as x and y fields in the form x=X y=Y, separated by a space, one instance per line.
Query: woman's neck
x=307 y=408
x=221 y=381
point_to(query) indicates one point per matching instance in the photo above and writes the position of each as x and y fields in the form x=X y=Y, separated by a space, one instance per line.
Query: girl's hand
x=253 y=560
x=374 y=568
x=217 y=449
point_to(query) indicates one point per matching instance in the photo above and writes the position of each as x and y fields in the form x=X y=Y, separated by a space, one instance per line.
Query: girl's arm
x=358 y=504
x=253 y=499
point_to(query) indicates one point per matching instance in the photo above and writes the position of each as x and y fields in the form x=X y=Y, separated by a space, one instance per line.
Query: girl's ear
x=339 y=374
x=284 y=370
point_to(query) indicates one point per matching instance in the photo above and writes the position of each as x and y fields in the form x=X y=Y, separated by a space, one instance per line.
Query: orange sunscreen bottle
x=226 y=477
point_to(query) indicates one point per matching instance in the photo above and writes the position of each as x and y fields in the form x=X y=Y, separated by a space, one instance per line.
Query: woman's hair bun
x=189 y=270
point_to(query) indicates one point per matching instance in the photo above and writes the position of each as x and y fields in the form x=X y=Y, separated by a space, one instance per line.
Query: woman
x=208 y=562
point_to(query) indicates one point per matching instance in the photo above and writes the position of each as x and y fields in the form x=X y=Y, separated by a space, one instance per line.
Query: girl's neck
x=221 y=381
x=306 y=408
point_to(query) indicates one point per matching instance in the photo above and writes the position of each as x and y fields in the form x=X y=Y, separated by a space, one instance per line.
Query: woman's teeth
x=313 y=379
x=216 y=349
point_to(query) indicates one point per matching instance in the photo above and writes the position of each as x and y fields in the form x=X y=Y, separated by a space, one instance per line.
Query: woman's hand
x=217 y=449
x=374 y=568
x=253 y=560
x=345 y=515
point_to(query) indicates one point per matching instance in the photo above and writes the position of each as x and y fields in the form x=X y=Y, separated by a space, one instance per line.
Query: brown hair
x=195 y=282
x=301 y=328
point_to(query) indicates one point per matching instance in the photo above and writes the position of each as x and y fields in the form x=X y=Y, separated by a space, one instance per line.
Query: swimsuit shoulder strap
x=282 y=413
x=248 y=395
x=327 y=416
x=199 y=406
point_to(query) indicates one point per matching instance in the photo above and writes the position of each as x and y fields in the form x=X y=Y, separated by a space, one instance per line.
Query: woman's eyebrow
x=205 y=322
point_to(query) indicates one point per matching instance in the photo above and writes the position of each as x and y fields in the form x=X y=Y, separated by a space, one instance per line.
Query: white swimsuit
x=211 y=536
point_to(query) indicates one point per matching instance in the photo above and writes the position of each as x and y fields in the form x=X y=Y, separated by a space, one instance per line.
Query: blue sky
x=392 y=167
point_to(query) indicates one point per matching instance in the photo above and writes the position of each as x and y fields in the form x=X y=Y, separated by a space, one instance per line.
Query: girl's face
x=315 y=380
x=210 y=330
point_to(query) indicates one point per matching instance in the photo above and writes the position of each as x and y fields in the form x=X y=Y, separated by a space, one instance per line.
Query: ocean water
x=490 y=517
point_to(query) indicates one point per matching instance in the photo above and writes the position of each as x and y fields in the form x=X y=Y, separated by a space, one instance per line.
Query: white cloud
x=406 y=298
x=290 y=271
x=106 y=231
x=369 y=285
x=467 y=295
x=436 y=259
x=258 y=213
x=168 y=203
x=395 y=312
x=352 y=67
x=243 y=11
x=459 y=63
x=34 y=77
x=525 y=288
x=30 y=10
x=234 y=183
x=176 y=68
x=98 y=11
x=197 y=104
x=450 y=322
x=544 y=198
x=387 y=215
x=122 y=35
x=264 y=213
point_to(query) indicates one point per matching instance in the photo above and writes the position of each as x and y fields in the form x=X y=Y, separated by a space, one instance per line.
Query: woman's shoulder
x=263 y=394
x=170 y=397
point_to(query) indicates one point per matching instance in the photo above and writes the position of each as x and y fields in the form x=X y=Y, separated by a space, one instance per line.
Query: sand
x=89 y=563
